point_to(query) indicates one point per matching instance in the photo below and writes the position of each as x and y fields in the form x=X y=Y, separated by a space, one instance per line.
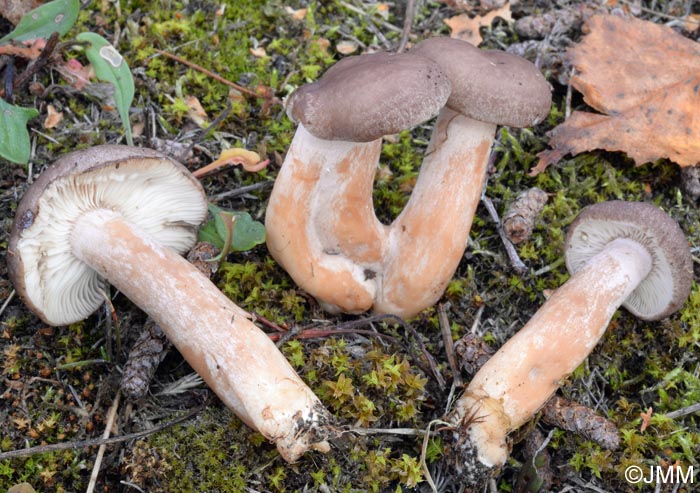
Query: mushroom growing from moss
x=618 y=253
x=124 y=215
x=321 y=225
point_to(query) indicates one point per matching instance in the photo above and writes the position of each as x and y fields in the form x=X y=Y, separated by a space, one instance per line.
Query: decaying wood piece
x=618 y=254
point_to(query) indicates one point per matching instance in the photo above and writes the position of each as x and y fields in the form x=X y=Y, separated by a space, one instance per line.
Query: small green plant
x=58 y=17
x=231 y=231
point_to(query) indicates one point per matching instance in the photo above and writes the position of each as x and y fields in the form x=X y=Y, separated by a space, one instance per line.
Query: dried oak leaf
x=467 y=28
x=645 y=79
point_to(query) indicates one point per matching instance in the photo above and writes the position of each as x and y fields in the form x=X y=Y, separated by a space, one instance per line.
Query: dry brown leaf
x=297 y=15
x=646 y=419
x=322 y=43
x=53 y=117
x=645 y=80
x=346 y=47
x=467 y=28
x=258 y=52
x=196 y=112
x=77 y=74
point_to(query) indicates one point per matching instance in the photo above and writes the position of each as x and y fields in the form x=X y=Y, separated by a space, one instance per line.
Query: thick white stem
x=236 y=359
x=530 y=367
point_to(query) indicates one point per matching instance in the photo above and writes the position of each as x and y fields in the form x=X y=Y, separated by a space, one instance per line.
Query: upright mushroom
x=123 y=215
x=618 y=253
x=320 y=220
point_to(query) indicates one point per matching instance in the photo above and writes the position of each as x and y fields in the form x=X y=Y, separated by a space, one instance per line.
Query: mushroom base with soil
x=624 y=262
x=123 y=215
x=216 y=337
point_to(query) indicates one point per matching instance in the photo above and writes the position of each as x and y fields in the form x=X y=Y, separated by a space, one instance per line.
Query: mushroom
x=618 y=253
x=320 y=221
x=124 y=215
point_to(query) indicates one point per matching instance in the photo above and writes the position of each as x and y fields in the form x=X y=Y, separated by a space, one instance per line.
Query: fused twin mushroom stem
x=321 y=225
x=618 y=253
x=124 y=215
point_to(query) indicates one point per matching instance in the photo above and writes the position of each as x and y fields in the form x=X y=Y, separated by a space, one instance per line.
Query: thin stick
x=7 y=301
x=569 y=94
x=407 y=23
x=357 y=10
x=517 y=264
x=211 y=74
x=693 y=408
x=449 y=345
x=387 y=431
x=93 y=442
x=111 y=415
x=240 y=191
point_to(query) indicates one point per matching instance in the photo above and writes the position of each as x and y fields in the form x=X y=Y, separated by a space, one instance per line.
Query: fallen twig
x=7 y=301
x=111 y=415
x=449 y=345
x=93 y=442
x=517 y=264
x=250 y=92
x=240 y=191
x=693 y=408
x=407 y=23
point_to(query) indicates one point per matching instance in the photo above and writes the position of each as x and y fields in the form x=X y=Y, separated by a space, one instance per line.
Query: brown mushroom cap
x=668 y=284
x=147 y=188
x=489 y=85
x=361 y=98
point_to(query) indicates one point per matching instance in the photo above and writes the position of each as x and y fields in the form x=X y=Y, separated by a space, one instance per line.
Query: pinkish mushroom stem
x=216 y=337
x=619 y=254
x=320 y=219
x=324 y=190
x=123 y=215
x=517 y=380
x=427 y=240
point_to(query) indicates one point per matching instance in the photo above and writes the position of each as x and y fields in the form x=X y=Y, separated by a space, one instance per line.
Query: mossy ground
x=59 y=382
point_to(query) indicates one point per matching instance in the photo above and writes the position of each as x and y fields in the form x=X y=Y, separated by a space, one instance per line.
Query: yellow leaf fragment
x=248 y=159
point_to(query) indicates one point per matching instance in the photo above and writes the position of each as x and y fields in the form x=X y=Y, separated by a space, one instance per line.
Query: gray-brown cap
x=361 y=98
x=489 y=85
x=148 y=189
x=667 y=285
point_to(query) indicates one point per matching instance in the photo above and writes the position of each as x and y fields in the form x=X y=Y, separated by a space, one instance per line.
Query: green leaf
x=14 y=136
x=248 y=232
x=208 y=233
x=231 y=230
x=57 y=16
x=111 y=67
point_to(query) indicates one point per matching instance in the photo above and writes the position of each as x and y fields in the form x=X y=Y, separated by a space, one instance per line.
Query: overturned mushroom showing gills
x=321 y=225
x=618 y=253
x=124 y=215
